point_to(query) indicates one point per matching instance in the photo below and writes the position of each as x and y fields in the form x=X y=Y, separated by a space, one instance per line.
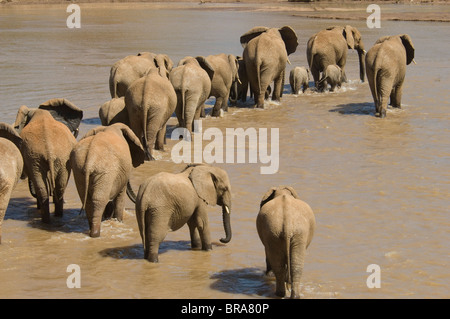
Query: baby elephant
x=299 y=79
x=166 y=201
x=285 y=226
x=332 y=75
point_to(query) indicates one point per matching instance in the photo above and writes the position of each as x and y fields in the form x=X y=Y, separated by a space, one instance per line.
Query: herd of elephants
x=146 y=89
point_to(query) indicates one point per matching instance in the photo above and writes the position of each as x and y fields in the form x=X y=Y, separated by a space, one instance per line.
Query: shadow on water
x=137 y=251
x=355 y=109
x=91 y=121
x=25 y=209
x=248 y=281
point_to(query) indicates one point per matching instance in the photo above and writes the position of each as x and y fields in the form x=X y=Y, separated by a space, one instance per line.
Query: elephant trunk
x=226 y=224
x=362 y=63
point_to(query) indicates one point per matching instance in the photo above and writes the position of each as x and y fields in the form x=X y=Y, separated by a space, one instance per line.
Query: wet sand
x=400 y=10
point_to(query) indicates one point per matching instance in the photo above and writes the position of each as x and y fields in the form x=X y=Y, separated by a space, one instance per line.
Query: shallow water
x=379 y=188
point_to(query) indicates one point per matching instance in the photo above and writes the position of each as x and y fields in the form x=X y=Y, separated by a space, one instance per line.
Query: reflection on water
x=379 y=188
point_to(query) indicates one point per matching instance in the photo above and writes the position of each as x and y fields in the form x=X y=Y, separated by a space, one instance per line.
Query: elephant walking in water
x=11 y=166
x=191 y=80
x=46 y=147
x=166 y=201
x=102 y=162
x=386 y=68
x=265 y=55
x=150 y=101
x=330 y=46
x=285 y=225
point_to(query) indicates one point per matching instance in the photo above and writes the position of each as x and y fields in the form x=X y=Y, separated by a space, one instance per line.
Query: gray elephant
x=166 y=201
x=265 y=54
x=150 y=101
x=299 y=79
x=11 y=166
x=191 y=80
x=113 y=111
x=332 y=75
x=286 y=226
x=225 y=74
x=386 y=68
x=46 y=147
x=102 y=162
x=330 y=46
x=131 y=68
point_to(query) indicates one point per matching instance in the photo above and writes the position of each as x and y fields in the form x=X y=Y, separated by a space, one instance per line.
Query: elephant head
x=7 y=131
x=162 y=61
x=354 y=42
x=286 y=33
x=136 y=150
x=62 y=110
x=201 y=61
x=213 y=187
x=277 y=191
x=407 y=43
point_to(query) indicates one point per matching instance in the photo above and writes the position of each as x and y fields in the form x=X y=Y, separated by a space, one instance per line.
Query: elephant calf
x=285 y=226
x=333 y=76
x=299 y=79
x=11 y=166
x=102 y=162
x=166 y=201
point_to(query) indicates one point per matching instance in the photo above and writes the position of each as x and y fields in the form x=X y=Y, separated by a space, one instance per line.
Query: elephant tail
x=51 y=177
x=288 y=259
x=86 y=187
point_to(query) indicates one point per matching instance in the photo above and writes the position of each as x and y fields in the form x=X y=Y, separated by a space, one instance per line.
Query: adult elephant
x=386 y=68
x=285 y=225
x=225 y=74
x=11 y=166
x=46 y=147
x=131 y=68
x=102 y=162
x=330 y=46
x=191 y=80
x=150 y=101
x=265 y=55
x=113 y=111
x=166 y=201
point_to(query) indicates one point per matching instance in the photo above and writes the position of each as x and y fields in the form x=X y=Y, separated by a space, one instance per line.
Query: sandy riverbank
x=401 y=10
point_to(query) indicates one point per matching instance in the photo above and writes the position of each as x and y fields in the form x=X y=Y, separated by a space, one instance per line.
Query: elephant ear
x=251 y=34
x=409 y=47
x=348 y=35
x=203 y=181
x=232 y=60
x=292 y=191
x=268 y=196
x=23 y=117
x=7 y=131
x=65 y=112
x=290 y=39
x=137 y=152
x=204 y=64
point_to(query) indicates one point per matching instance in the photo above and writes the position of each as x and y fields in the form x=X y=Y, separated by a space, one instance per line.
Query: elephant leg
x=95 y=210
x=154 y=236
x=195 y=237
x=385 y=89
x=396 y=96
x=225 y=102
x=119 y=205
x=217 y=106
x=160 y=139
x=200 y=219
x=58 y=193
x=277 y=89
x=297 y=255
x=316 y=76
x=41 y=188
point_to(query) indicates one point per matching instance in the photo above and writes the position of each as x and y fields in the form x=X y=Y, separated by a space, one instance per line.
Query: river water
x=379 y=187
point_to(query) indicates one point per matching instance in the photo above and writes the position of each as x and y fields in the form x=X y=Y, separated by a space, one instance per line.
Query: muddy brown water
x=379 y=188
